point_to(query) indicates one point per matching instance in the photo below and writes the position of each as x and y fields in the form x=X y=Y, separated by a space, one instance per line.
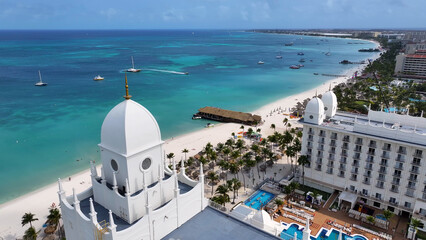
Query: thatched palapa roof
x=240 y=116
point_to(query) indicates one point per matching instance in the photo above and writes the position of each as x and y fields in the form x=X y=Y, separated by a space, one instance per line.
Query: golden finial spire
x=127 y=96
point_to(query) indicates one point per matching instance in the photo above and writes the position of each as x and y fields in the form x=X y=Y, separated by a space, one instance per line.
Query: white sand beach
x=39 y=201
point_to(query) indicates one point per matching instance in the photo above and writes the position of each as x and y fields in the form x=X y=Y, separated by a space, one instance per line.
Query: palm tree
x=223 y=191
x=285 y=121
x=273 y=126
x=170 y=156
x=234 y=185
x=303 y=160
x=388 y=215
x=28 y=218
x=213 y=178
x=279 y=202
x=314 y=196
x=30 y=234
x=224 y=165
x=370 y=219
x=256 y=149
x=242 y=127
x=185 y=151
x=226 y=151
x=415 y=223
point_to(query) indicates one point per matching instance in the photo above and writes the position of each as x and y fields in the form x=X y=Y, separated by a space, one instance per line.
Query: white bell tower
x=131 y=147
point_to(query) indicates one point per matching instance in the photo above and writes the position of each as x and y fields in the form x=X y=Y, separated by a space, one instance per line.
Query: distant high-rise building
x=411 y=66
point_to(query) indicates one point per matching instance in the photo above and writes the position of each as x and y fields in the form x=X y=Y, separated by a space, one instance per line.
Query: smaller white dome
x=314 y=112
x=129 y=128
x=315 y=105
x=330 y=103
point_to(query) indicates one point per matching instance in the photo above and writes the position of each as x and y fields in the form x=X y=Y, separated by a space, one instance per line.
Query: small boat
x=294 y=67
x=260 y=62
x=300 y=53
x=133 y=69
x=345 y=62
x=301 y=65
x=40 y=83
x=288 y=44
x=98 y=78
x=186 y=73
x=316 y=73
x=208 y=125
x=327 y=54
x=302 y=60
x=196 y=116
x=279 y=56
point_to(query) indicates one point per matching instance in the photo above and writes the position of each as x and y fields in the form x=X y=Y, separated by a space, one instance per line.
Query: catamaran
x=133 y=69
x=41 y=83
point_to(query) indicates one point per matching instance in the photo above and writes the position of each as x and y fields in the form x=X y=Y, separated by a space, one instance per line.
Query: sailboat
x=279 y=56
x=41 y=83
x=328 y=53
x=133 y=69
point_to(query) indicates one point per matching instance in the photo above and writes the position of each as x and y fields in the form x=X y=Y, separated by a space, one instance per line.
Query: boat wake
x=165 y=71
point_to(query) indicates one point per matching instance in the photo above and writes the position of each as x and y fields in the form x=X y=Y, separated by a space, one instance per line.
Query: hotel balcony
x=357 y=149
x=354 y=170
x=311 y=132
x=417 y=155
x=412 y=179
x=394 y=203
x=366 y=182
x=331 y=158
x=346 y=139
x=321 y=141
x=385 y=155
x=409 y=193
x=345 y=154
x=333 y=144
x=383 y=171
x=353 y=178
x=415 y=171
x=329 y=171
x=333 y=136
x=343 y=160
x=402 y=151
x=371 y=153
x=371 y=160
x=368 y=167
x=380 y=186
x=396 y=175
x=386 y=148
x=355 y=164
x=358 y=141
x=342 y=168
x=395 y=183
x=357 y=156
x=400 y=158
x=330 y=164
x=385 y=164
x=416 y=163
x=332 y=151
x=342 y=175
x=372 y=145
x=411 y=186
x=322 y=134
x=395 y=190
x=399 y=167
x=381 y=178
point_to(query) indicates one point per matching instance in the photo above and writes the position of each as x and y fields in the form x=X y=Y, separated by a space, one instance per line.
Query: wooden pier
x=223 y=115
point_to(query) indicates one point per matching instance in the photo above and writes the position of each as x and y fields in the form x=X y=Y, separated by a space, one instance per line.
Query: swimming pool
x=289 y=234
x=381 y=216
x=259 y=199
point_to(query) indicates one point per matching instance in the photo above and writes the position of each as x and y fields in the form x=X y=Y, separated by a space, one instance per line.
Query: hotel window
x=352 y=187
x=364 y=192
x=413 y=177
x=378 y=196
x=332 y=149
x=407 y=204
x=333 y=135
x=418 y=153
x=392 y=200
x=397 y=173
x=422 y=211
x=333 y=142
x=371 y=151
x=402 y=150
x=416 y=161
x=359 y=141
x=380 y=184
x=384 y=162
x=358 y=148
x=415 y=169
x=387 y=147
x=381 y=177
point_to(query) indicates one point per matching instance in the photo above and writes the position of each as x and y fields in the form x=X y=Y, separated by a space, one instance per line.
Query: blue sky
x=207 y=14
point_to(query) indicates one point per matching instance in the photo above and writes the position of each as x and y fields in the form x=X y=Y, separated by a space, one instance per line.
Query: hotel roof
x=346 y=122
x=211 y=224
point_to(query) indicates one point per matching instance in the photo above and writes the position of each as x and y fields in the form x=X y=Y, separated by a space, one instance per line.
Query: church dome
x=315 y=105
x=129 y=128
x=330 y=103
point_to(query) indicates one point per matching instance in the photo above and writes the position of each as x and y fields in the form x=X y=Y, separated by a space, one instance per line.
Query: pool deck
x=323 y=216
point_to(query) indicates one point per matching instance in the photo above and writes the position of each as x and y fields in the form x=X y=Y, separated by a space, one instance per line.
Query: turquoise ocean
x=53 y=131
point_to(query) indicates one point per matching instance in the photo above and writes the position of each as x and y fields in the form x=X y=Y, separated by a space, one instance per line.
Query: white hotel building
x=377 y=159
